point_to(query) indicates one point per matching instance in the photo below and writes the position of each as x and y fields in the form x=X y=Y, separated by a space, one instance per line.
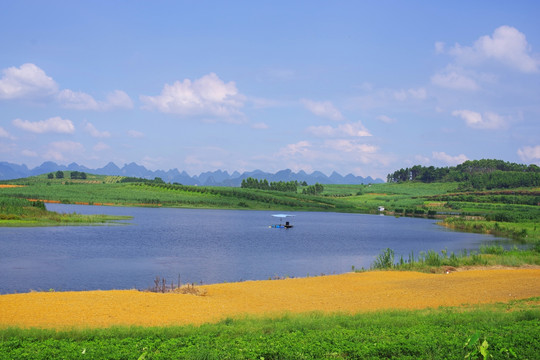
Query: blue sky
x=361 y=87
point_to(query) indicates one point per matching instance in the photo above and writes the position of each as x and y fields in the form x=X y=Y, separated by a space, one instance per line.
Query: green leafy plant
x=477 y=349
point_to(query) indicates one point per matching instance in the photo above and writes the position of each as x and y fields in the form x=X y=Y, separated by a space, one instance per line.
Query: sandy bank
x=353 y=292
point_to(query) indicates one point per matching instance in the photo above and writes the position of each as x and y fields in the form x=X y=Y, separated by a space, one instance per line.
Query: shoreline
x=346 y=293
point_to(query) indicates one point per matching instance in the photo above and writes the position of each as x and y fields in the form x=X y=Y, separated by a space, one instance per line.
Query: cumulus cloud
x=101 y=146
x=135 y=134
x=91 y=129
x=26 y=81
x=386 y=119
x=329 y=155
x=350 y=129
x=507 y=45
x=323 y=108
x=529 y=153
x=58 y=149
x=29 y=153
x=475 y=120
x=83 y=101
x=29 y=82
x=454 y=78
x=118 y=99
x=350 y=146
x=77 y=100
x=386 y=98
x=301 y=147
x=417 y=94
x=5 y=134
x=439 y=47
x=54 y=124
x=208 y=95
x=449 y=159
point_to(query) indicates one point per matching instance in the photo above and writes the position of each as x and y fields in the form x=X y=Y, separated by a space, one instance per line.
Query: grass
x=438 y=262
x=511 y=330
x=506 y=213
x=21 y=212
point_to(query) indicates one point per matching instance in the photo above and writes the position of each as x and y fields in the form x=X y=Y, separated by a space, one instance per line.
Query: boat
x=287 y=224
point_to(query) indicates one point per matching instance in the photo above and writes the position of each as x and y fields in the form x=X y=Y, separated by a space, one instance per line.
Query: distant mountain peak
x=215 y=178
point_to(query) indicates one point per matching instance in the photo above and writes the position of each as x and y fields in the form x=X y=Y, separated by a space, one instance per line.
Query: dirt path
x=338 y=293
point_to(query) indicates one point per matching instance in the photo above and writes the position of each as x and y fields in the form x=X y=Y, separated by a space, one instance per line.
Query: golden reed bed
x=353 y=292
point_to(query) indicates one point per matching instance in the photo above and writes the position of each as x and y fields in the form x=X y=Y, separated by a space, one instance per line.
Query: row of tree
x=313 y=189
x=74 y=175
x=289 y=186
x=485 y=173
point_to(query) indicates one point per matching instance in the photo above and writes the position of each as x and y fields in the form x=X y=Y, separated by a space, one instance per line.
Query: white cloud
x=350 y=146
x=5 y=134
x=453 y=78
x=422 y=159
x=57 y=150
x=118 y=99
x=350 y=129
x=529 y=153
x=507 y=45
x=439 y=47
x=152 y=163
x=386 y=119
x=83 y=101
x=301 y=147
x=386 y=98
x=29 y=153
x=475 y=120
x=54 y=124
x=260 y=126
x=27 y=81
x=418 y=94
x=208 y=95
x=77 y=100
x=323 y=108
x=91 y=129
x=100 y=146
x=135 y=134
x=448 y=159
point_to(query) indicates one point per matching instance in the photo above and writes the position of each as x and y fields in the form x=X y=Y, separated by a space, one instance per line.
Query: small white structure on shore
x=381 y=208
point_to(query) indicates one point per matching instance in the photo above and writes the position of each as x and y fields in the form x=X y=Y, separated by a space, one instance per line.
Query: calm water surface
x=208 y=246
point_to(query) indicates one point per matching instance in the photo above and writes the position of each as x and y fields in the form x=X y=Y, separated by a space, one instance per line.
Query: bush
x=384 y=260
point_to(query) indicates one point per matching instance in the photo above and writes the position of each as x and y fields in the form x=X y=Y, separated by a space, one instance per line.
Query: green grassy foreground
x=504 y=331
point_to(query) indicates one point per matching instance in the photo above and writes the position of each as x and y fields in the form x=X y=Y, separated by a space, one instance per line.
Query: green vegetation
x=22 y=212
x=434 y=262
x=477 y=174
x=489 y=199
x=251 y=183
x=453 y=196
x=506 y=331
x=122 y=191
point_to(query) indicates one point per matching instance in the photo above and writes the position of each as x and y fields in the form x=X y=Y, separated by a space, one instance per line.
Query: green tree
x=59 y=174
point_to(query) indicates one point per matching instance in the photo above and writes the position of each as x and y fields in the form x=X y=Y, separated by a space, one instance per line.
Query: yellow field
x=353 y=293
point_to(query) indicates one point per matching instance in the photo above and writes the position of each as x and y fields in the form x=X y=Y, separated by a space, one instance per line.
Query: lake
x=208 y=246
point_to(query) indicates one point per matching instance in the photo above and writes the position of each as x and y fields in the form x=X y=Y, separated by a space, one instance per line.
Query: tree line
x=73 y=175
x=475 y=174
x=289 y=186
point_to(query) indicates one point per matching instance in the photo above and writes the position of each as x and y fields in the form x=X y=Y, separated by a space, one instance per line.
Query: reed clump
x=444 y=262
x=161 y=286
